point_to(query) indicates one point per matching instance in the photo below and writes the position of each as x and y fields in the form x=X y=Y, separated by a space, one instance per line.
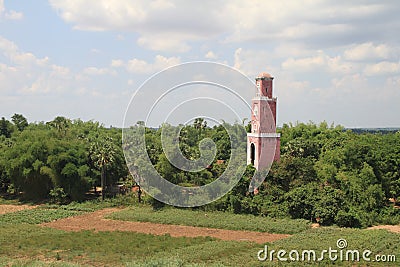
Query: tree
x=102 y=153
x=61 y=124
x=19 y=121
x=5 y=128
x=26 y=164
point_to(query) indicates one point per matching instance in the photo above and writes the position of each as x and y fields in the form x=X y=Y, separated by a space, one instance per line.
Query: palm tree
x=102 y=153
x=61 y=124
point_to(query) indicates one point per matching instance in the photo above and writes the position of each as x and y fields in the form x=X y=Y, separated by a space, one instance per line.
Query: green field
x=24 y=243
x=222 y=220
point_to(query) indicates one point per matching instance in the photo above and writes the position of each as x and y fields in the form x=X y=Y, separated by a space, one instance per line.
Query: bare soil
x=391 y=228
x=14 y=208
x=96 y=221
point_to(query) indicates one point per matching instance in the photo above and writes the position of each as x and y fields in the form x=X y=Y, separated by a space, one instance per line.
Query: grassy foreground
x=32 y=245
x=24 y=243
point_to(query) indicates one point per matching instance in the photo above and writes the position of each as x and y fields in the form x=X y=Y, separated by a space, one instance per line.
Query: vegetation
x=59 y=160
x=23 y=240
x=326 y=174
x=27 y=244
x=37 y=215
x=214 y=219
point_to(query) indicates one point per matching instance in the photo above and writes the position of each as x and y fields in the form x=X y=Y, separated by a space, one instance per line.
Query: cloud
x=23 y=69
x=320 y=62
x=98 y=71
x=369 y=51
x=327 y=85
x=102 y=15
x=211 y=55
x=9 y=15
x=252 y=62
x=164 y=42
x=172 y=25
x=24 y=73
x=162 y=25
x=143 y=67
x=313 y=24
x=117 y=63
x=382 y=68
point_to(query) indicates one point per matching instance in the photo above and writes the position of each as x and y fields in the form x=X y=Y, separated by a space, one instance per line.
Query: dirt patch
x=391 y=228
x=96 y=221
x=14 y=208
x=315 y=225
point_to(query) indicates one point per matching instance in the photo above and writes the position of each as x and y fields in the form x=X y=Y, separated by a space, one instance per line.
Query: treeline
x=60 y=159
x=326 y=174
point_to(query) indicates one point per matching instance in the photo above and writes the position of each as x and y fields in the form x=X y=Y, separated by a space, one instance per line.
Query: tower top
x=264 y=85
x=263 y=76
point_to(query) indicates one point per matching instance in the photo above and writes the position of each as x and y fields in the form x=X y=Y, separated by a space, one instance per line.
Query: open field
x=96 y=221
x=23 y=242
x=222 y=220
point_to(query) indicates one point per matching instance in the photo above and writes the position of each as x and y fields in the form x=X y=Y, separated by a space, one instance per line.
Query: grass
x=109 y=248
x=4 y=261
x=12 y=201
x=31 y=245
x=23 y=243
x=222 y=220
x=224 y=253
x=37 y=215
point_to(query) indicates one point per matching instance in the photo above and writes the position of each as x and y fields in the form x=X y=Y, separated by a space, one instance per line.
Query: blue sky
x=333 y=61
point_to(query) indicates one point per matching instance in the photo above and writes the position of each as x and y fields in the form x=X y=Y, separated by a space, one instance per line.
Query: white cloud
x=309 y=22
x=211 y=55
x=319 y=62
x=117 y=63
x=10 y=15
x=382 y=68
x=252 y=62
x=24 y=73
x=163 y=42
x=103 y=15
x=99 y=71
x=369 y=51
x=142 y=67
x=13 y=15
x=162 y=25
x=171 y=25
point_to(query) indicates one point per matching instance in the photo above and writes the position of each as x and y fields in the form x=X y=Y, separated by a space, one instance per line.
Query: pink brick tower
x=263 y=143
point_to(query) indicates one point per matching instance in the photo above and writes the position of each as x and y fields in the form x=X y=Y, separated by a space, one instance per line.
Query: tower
x=263 y=143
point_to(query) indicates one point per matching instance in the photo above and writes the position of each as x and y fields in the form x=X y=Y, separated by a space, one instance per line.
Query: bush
x=389 y=215
x=58 y=196
x=348 y=219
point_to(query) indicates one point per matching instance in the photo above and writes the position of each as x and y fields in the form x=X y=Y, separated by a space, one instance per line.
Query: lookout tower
x=263 y=143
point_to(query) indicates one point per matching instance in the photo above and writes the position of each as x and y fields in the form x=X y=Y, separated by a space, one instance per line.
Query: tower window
x=252 y=153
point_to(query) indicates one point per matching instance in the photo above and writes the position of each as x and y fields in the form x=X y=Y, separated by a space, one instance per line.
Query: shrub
x=389 y=215
x=58 y=196
x=348 y=219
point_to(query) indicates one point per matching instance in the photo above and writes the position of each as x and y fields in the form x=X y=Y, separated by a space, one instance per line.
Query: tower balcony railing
x=268 y=98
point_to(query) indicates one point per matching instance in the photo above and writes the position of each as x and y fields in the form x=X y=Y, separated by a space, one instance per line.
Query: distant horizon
x=152 y=126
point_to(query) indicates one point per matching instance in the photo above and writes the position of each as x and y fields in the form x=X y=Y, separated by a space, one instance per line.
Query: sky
x=333 y=61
